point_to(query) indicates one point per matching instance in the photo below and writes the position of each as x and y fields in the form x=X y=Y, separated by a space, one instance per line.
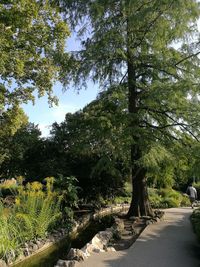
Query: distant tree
x=17 y=145
x=94 y=143
x=151 y=49
x=10 y=121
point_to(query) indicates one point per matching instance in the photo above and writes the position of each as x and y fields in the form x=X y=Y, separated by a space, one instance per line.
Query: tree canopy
x=32 y=46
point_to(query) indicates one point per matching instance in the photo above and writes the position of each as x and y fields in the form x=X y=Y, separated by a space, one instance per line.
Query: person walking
x=192 y=193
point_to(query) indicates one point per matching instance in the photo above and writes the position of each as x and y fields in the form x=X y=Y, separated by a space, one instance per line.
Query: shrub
x=185 y=202
x=155 y=198
x=167 y=198
x=197 y=186
x=169 y=202
x=195 y=219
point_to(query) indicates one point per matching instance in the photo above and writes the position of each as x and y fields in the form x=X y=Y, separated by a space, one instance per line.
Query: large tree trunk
x=140 y=203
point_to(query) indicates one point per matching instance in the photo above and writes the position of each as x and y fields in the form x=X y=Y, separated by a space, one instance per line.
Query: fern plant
x=10 y=233
x=37 y=210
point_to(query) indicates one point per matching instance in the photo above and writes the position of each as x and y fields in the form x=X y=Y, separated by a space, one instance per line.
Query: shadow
x=169 y=243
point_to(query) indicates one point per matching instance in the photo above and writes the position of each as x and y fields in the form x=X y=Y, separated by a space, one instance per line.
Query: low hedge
x=195 y=219
x=167 y=198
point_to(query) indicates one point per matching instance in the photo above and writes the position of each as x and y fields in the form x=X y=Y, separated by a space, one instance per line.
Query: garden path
x=168 y=243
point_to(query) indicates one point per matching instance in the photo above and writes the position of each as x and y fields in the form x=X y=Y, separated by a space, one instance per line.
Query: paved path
x=169 y=243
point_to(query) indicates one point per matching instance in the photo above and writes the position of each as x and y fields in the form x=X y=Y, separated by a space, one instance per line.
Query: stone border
x=99 y=243
x=32 y=248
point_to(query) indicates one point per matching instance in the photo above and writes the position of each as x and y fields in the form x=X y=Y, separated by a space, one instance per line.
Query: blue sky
x=69 y=101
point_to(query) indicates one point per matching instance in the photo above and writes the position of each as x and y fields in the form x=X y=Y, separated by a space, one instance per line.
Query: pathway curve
x=169 y=243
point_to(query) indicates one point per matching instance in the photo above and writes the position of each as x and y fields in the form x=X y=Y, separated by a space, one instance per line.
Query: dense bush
x=167 y=198
x=197 y=186
x=195 y=218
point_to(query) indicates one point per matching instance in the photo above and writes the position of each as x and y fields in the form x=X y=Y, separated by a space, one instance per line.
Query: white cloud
x=58 y=113
x=54 y=114
x=44 y=129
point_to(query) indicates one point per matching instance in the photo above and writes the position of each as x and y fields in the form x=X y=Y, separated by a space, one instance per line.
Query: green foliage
x=167 y=198
x=10 y=121
x=37 y=210
x=155 y=198
x=32 y=45
x=185 y=202
x=7 y=188
x=195 y=219
x=33 y=57
x=69 y=194
x=34 y=214
x=197 y=186
x=118 y=200
x=90 y=144
x=10 y=234
x=17 y=147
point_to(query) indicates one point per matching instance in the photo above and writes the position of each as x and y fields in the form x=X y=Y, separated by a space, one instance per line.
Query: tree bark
x=140 y=205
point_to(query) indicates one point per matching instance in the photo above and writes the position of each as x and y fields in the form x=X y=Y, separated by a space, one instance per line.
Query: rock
x=76 y=254
x=133 y=218
x=61 y=263
x=135 y=231
x=26 y=245
x=119 y=225
x=3 y=263
x=148 y=222
x=85 y=251
x=88 y=249
x=105 y=236
x=97 y=250
x=26 y=252
x=110 y=249
x=34 y=247
x=52 y=238
x=96 y=242
x=20 y=257
x=39 y=243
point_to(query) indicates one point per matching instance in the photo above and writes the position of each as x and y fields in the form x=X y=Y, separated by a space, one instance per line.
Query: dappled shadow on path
x=170 y=243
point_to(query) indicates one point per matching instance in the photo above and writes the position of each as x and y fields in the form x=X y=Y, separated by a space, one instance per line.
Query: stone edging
x=34 y=247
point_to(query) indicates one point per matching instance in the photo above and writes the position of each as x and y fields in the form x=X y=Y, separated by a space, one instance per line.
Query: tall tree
x=151 y=48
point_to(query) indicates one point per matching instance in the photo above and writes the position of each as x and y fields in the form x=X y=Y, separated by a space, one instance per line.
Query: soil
x=133 y=227
x=129 y=235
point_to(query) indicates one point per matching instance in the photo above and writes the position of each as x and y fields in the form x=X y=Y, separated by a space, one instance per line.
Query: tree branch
x=183 y=59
